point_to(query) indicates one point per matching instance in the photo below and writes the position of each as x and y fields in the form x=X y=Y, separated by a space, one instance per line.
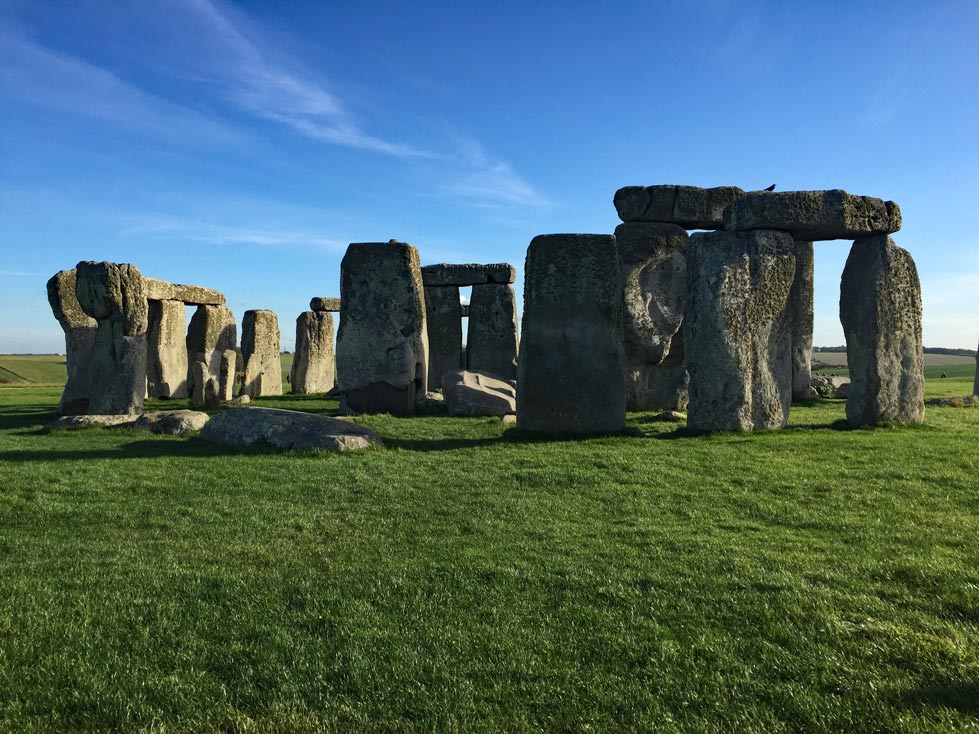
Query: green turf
x=467 y=578
x=42 y=369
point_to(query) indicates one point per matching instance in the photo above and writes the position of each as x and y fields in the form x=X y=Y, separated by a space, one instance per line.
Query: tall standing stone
x=880 y=309
x=79 y=330
x=570 y=373
x=491 y=344
x=653 y=260
x=260 y=351
x=226 y=380
x=443 y=318
x=113 y=295
x=382 y=343
x=736 y=332
x=313 y=363
x=166 y=350
x=801 y=321
x=212 y=330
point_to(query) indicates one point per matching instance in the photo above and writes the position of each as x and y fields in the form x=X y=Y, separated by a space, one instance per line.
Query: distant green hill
x=32 y=369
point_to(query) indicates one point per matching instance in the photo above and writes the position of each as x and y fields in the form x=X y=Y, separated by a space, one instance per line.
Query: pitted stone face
x=260 y=350
x=192 y=295
x=313 y=363
x=108 y=290
x=445 y=274
x=814 y=215
x=690 y=207
x=325 y=304
x=79 y=330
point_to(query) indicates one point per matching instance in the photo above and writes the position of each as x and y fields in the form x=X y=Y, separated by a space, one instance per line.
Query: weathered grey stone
x=240 y=400
x=491 y=343
x=801 y=321
x=382 y=342
x=464 y=310
x=975 y=384
x=166 y=349
x=95 y=421
x=653 y=259
x=113 y=295
x=212 y=330
x=825 y=386
x=477 y=393
x=313 y=364
x=814 y=215
x=226 y=379
x=443 y=318
x=880 y=309
x=445 y=274
x=571 y=373
x=260 y=351
x=325 y=304
x=736 y=332
x=201 y=378
x=192 y=295
x=173 y=422
x=690 y=207
x=79 y=330
x=287 y=429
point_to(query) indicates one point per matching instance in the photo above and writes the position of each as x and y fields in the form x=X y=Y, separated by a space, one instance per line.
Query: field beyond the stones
x=469 y=578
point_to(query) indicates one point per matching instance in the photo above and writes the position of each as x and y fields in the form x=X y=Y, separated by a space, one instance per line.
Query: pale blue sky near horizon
x=243 y=145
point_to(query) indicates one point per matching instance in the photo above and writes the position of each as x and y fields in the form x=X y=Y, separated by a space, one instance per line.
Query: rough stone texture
x=975 y=384
x=324 y=304
x=95 y=421
x=286 y=429
x=313 y=364
x=443 y=317
x=240 y=400
x=464 y=310
x=193 y=295
x=825 y=386
x=801 y=320
x=445 y=274
x=476 y=393
x=201 y=377
x=690 y=207
x=166 y=350
x=79 y=330
x=173 y=422
x=113 y=295
x=382 y=342
x=814 y=215
x=570 y=372
x=212 y=330
x=736 y=332
x=491 y=343
x=260 y=352
x=880 y=309
x=653 y=260
x=226 y=378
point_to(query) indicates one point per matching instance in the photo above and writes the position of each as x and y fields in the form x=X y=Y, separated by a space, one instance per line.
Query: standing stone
x=212 y=330
x=226 y=381
x=260 y=351
x=166 y=350
x=491 y=344
x=570 y=373
x=79 y=330
x=200 y=377
x=113 y=295
x=313 y=364
x=880 y=309
x=801 y=321
x=736 y=332
x=654 y=294
x=443 y=318
x=382 y=343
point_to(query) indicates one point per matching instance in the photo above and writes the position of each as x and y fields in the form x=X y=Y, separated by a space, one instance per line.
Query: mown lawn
x=470 y=579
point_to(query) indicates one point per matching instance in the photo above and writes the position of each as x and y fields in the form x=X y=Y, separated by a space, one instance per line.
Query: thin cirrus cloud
x=230 y=235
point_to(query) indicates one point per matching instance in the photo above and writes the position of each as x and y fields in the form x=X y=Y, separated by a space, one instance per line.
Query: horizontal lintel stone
x=324 y=304
x=691 y=207
x=195 y=295
x=446 y=274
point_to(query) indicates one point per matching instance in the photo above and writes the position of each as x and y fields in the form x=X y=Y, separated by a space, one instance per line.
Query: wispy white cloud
x=19 y=274
x=488 y=181
x=229 y=235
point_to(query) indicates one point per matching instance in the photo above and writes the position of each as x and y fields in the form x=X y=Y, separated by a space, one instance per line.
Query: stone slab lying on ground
x=814 y=215
x=324 y=304
x=827 y=385
x=92 y=421
x=194 y=295
x=173 y=422
x=690 y=207
x=286 y=429
x=468 y=274
x=477 y=393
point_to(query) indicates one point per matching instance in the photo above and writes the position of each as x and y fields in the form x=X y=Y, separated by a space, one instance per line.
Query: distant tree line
x=927 y=350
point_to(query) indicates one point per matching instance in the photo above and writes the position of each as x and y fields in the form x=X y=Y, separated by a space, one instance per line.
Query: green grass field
x=935 y=364
x=467 y=578
x=38 y=370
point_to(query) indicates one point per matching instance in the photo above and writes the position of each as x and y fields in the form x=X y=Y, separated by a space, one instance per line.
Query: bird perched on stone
x=770 y=188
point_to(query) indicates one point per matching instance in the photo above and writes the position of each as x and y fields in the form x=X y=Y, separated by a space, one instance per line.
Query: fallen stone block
x=173 y=422
x=477 y=393
x=286 y=429
x=94 y=421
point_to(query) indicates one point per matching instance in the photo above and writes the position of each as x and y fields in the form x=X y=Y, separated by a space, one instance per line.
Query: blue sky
x=243 y=145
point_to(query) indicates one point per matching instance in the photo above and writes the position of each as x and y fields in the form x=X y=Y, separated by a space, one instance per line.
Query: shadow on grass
x=958 y=695
x=144 y=449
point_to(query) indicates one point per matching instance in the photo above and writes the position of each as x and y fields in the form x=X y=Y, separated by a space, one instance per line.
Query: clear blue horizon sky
x=243 y=145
